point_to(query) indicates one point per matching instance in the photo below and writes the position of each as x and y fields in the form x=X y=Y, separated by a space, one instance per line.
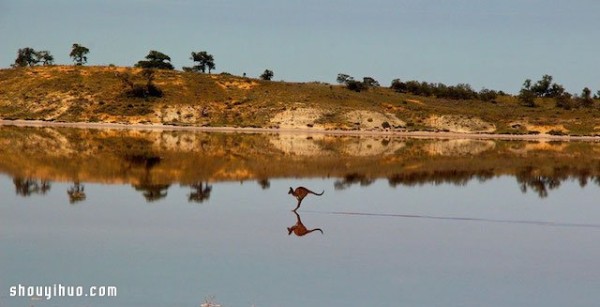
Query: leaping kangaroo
x=300 y=193
x=299 y=229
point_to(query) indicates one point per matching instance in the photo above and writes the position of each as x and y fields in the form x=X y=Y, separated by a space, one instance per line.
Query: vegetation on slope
x=100 y=94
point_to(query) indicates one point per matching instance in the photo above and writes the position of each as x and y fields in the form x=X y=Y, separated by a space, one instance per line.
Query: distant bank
x=104 y=97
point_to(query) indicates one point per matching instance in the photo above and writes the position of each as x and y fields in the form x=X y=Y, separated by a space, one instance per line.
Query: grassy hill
x=98 y=94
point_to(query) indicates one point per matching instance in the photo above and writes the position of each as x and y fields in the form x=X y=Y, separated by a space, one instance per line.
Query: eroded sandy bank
x=314 y=130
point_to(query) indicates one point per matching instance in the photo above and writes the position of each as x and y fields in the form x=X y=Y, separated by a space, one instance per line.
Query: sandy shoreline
x=411 y=134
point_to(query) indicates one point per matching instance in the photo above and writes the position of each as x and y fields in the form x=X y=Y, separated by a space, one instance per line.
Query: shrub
x=586 y=98
x=456 y=92
x=488 y=95
x=136 y=90
x=527 y=95
x=370 y=82
x=399 y=86
x=354 y=85
x=556 y=132
x=564 y=101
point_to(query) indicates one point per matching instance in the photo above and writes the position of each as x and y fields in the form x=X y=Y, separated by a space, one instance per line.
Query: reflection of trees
x=76 y=192
x=582 y=177
x=152 y=192
x=530 y=178
x=27 y=186
x=539 y=180
x=456 y=177
x=147 y=161
x=200 y=192
x=264 y=183
x=351 y=179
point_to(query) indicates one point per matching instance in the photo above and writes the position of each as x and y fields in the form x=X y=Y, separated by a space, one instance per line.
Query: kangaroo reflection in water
x=299 y=229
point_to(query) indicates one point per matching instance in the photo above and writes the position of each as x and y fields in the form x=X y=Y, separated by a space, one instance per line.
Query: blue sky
x=492 y=44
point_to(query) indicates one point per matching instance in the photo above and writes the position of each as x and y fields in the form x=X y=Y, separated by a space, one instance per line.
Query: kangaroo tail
x=316 y=229
x=318 y=194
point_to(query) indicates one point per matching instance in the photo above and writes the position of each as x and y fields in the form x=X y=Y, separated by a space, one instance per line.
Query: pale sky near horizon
x=492 y=44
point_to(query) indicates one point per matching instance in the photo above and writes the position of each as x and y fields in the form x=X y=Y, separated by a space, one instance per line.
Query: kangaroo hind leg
x=298 y=206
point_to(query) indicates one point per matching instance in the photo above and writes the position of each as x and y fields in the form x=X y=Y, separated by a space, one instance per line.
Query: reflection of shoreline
x=410 y=134
x=151 y=161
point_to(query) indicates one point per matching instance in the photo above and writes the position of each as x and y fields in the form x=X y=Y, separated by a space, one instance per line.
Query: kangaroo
x=299 y=228
x=300 y=193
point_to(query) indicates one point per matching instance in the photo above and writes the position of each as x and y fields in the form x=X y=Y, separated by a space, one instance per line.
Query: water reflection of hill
x=151 y=161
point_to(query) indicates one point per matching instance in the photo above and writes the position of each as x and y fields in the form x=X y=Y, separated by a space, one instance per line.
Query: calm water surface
x=436 y=242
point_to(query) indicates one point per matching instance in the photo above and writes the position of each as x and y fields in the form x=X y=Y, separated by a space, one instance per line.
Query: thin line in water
x=453 y=218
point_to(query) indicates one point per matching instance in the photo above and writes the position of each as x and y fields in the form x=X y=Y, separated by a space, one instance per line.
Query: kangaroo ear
x=289 y=231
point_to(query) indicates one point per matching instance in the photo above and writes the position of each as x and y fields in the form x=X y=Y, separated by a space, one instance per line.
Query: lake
x=181 y=218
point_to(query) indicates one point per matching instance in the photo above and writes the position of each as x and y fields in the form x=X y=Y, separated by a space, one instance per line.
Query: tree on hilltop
x=44 y=57
x=155 y=59
x=267 y=75
x=205 y=61
x=29 y=57
x=25 y=57
x=343 y=78
x=78 y=53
